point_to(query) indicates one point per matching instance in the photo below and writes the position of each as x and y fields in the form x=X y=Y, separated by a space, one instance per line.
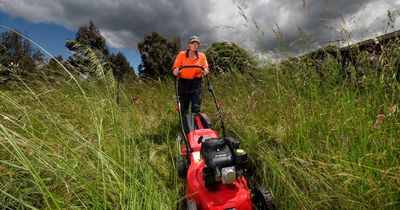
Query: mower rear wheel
x=263 y=199
x=182 y=169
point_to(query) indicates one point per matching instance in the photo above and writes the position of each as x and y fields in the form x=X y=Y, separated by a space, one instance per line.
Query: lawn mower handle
x=185 y=140
x=210 y=88
x=191 y=66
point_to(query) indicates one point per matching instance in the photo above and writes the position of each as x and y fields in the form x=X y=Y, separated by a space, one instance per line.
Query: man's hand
x=206 y=72
x=176 y=72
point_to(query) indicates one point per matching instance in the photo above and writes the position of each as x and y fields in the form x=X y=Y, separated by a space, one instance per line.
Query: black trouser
x=193 y=98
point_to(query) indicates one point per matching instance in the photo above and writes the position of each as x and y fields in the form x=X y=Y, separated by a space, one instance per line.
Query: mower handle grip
x=191 y=66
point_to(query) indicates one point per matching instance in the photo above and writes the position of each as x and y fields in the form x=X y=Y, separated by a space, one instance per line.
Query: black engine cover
x=216 y=153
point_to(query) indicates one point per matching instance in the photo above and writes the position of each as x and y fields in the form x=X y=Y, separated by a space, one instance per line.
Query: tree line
x=19 y=59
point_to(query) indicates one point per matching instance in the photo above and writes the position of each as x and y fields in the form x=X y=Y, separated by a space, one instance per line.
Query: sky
x=261 y=26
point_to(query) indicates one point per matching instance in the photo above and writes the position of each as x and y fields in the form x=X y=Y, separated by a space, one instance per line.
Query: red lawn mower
x=214 y=166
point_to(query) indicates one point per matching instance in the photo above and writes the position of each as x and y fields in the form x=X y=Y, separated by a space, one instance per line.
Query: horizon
x=289 y=28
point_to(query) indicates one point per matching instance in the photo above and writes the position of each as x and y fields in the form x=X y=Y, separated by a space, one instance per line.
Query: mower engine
x=224 y=161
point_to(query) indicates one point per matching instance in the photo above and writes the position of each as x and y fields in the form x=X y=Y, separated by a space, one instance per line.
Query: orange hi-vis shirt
x=183 y=59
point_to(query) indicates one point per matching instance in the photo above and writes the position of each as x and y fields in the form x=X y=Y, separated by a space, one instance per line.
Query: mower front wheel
x=182 y=169
x=263 y=199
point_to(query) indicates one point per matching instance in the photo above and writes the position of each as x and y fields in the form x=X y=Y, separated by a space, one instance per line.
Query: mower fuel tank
x=240 y=156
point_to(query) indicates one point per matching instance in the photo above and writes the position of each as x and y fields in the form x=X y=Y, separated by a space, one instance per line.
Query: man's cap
x=194 y=39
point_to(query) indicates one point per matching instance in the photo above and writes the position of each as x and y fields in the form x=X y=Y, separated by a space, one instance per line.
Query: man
x=190 y=79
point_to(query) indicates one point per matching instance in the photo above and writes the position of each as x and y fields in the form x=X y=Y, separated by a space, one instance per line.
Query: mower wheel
x=262 y=199
x=182 y=169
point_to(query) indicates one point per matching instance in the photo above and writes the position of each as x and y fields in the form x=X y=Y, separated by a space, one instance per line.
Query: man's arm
x=177 y=64
x=204 y=63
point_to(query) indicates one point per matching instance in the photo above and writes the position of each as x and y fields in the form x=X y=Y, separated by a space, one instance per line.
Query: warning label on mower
x=196 y=157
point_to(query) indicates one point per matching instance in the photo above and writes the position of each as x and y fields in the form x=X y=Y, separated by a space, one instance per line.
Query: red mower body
x=214 y=167
x=225 y=196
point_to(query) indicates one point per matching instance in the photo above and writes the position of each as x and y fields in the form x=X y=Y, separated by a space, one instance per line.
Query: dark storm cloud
x=323 y=22
x=130 y=19
x=125 y=22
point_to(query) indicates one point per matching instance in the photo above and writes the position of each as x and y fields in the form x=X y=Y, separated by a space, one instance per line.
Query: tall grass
x=319 y=147
x=64 y=146
x=316 y=142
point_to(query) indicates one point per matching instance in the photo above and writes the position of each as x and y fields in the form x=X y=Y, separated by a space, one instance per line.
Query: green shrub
x=226 y=56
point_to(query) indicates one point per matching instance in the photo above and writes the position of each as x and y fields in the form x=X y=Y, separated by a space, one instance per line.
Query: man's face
x=193 y=46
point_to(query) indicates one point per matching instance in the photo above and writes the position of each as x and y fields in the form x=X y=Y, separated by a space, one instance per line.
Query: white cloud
x=119 y=39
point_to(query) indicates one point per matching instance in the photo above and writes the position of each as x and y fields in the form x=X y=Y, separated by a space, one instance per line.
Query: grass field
x=316 y=143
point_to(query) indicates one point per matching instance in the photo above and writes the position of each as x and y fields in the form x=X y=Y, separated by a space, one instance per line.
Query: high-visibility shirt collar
x=197 y=54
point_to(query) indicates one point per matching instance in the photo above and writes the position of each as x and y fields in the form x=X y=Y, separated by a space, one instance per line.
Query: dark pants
x=190 y=98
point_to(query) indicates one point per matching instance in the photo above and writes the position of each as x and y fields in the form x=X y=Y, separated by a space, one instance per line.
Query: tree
x=89 y=35
x=226 y=56
x=53 y=62
x=54 y=65
x=88 y=38
x=120 y=66
x=3 y=69
x=18 y=54
x=51 y=70
x=158 y=55
x=2 y=53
